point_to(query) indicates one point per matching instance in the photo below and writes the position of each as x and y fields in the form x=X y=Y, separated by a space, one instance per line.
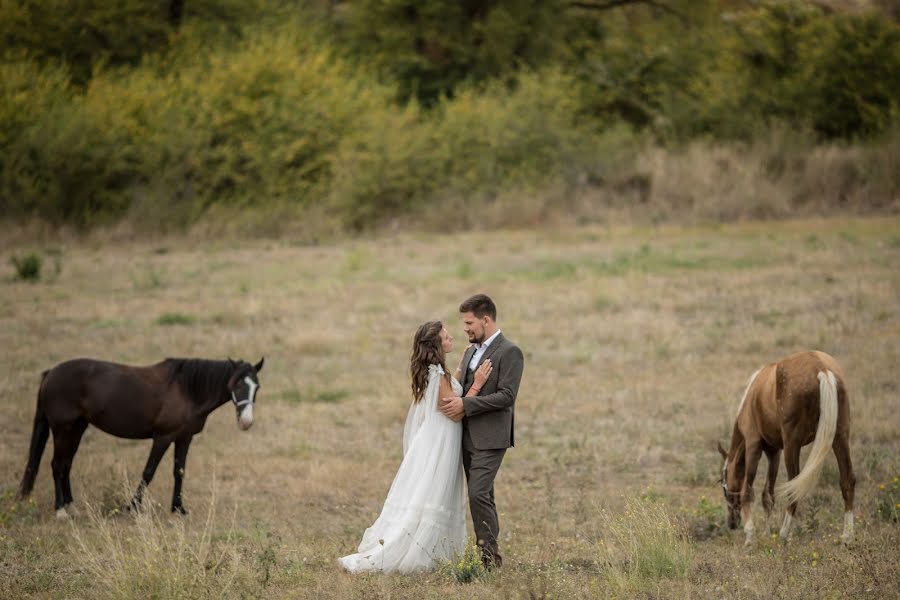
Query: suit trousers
x=481 y=468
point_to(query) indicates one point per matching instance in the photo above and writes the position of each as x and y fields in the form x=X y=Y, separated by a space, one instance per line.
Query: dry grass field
x=638 y=343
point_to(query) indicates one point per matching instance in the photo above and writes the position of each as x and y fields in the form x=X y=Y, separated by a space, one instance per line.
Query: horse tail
x=797 y=488
x=39 y=435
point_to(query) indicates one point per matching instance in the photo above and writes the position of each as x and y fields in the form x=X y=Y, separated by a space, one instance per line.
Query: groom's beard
x=476 y=339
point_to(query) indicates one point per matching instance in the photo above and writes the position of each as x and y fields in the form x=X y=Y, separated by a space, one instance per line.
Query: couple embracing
x=457 y=431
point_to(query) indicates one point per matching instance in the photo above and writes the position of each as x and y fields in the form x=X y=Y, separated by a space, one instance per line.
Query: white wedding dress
x=423 y=518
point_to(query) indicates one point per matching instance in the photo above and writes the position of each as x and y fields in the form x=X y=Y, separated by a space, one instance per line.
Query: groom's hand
x=453 y=408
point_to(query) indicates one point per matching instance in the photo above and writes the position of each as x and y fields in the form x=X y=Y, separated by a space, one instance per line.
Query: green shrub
x=28 y=266
x=430 y=48
x=85 y=32
x=853 y=79
x=465 y=568
x=175 y=319
x=478 y=143
x=887 y=501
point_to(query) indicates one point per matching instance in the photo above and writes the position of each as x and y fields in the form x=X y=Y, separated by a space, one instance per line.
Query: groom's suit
x=487 y=433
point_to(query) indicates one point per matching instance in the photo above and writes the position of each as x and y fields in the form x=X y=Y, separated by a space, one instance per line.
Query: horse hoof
x=61 y=514
x=179 y=510
x=846 y=540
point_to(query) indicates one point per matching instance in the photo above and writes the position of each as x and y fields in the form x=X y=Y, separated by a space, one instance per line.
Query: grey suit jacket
x=490 y=415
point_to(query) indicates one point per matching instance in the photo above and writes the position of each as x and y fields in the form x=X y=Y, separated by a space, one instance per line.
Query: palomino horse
x=168 y=401
x=787 y=405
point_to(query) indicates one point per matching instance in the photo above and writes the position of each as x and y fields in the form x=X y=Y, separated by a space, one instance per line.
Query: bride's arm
x=446 y=389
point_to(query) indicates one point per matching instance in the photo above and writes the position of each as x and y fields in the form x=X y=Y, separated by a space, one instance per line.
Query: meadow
x=638 y=342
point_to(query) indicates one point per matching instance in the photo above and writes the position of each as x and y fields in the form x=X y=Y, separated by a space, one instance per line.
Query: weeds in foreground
x=887 y=502
x=150 y=554
x=706 y=519
x=465 y=568
x=643 y=544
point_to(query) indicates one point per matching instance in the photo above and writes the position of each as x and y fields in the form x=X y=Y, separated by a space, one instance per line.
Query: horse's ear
x=258 y=366
x=721 y=450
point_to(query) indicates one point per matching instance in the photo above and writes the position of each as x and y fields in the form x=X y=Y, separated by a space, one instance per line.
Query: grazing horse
x=788 y=404
x=168 y=401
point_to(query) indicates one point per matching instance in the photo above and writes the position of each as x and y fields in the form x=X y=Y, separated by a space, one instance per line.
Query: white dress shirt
x=480 y=349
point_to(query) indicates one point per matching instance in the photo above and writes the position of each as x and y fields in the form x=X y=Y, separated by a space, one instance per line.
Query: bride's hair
x=426 y=350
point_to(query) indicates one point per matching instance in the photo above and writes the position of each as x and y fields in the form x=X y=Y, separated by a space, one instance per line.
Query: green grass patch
x=109 y=323
x=170 y=319
x=649 y=260
x=326 y=396
x=642 y=544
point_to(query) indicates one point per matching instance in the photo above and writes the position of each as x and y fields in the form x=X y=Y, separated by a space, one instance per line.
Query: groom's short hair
x=479 y=305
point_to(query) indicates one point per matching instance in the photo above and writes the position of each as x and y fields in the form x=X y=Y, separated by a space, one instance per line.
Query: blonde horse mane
x=747 y=391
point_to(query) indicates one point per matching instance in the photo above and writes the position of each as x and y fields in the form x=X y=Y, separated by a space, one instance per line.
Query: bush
x=85 y=32
x=789 y=63
x=854 y=77
x=28 y=267
x=887 y=501
x=467 y=567
x=257 y=124
x=475 y=145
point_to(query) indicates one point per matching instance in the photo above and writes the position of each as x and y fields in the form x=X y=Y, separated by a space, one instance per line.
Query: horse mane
x=200 y=378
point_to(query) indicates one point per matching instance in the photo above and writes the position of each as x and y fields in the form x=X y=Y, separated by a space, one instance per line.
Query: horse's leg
x=753 y=454
x=768 y=500
x=65 y=441
x=77 y=431
x=181 y=450
x=160 y=445
x=792 y=464
x=841 y=447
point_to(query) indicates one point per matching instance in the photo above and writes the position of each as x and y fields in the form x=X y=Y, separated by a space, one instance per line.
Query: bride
x=423 y=518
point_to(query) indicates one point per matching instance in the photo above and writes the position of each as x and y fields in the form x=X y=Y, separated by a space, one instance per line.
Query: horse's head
x=243 y=385
x=730 y=481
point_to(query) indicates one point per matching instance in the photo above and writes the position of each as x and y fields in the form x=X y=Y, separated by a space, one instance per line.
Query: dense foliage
x=365 y=109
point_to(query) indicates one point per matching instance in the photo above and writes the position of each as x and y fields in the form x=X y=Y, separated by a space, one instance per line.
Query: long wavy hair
x=427 y=350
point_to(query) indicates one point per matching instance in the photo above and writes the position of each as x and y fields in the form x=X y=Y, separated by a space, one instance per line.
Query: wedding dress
x=423 y=518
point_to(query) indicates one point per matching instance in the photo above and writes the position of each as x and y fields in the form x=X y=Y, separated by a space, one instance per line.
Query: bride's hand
x=482 y=374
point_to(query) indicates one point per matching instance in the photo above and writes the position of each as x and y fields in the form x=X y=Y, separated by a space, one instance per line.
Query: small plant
x=467 y=567
x=814 y=508
x=12 y=509
x=707 y=519
x=147 y=278
x=887 y=502
x=699 y=475
x=28 y=267
x=174 y=319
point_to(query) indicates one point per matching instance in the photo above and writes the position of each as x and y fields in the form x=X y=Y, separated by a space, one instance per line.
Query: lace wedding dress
x=423 y=518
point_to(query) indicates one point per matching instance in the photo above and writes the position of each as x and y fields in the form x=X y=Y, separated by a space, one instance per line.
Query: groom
x=487 y=416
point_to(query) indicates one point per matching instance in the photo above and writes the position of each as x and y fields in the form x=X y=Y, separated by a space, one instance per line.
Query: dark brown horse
x=787 y=405
x=168 y=401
